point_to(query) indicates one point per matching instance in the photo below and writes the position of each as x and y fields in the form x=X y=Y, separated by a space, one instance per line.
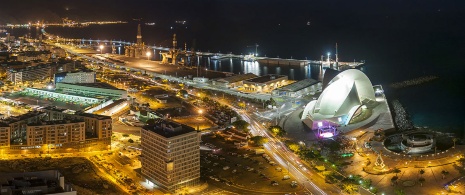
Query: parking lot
x=229 y=167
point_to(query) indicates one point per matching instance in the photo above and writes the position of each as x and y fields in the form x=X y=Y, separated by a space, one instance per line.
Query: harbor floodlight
x=101 y=49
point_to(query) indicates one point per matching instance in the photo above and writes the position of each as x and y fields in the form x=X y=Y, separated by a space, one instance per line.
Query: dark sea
x=394 y=47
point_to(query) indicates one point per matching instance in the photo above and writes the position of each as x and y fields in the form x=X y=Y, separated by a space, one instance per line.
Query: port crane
x=256 y=48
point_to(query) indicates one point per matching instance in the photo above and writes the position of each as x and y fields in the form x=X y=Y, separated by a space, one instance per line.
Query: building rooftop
x=266 y=78
x=79 y=113
x=237 y=78
x=109 y=107
x=56 y=122
x=168 y=128
x=40 y=66
x=42 y=182
x=299 y=85
x=14 y=119
x=94 y=85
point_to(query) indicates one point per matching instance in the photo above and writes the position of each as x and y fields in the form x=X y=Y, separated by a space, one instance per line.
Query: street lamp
x=148 y=55
x=101 y=49
x=200 y=118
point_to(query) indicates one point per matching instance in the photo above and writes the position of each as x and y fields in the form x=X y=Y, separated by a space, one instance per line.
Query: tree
x=422 y=172
x=277 y=130
x=241 y=105
x=182 y=93
x=444 y=173
x=293 y=146
x=399 y=191
x=421 y=180
x=454 y=140
x=241 y=125
x=272 y=102
x=130 y=141
x=259 y=140
x=350 y=188
x=396 y=170
x=394 y=180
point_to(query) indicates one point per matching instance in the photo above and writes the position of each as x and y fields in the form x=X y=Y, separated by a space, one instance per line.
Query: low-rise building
x=75 y=77
x=34 y=73
x=43 y=56
x=264 y=83
x=233 y=81
x=39 y=182
x=92 y=89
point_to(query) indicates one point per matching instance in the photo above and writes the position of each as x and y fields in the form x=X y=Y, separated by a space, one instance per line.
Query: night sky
x=258 y=11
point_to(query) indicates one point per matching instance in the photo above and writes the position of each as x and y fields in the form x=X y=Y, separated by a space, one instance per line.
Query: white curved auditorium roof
x=346 y=90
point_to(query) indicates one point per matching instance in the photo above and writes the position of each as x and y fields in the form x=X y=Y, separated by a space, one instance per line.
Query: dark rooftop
x=94 y=85
x=79 y=113
x=299 y=85
x=266 y=78
x=55 y=122
x=168 y=128
x=236 y=78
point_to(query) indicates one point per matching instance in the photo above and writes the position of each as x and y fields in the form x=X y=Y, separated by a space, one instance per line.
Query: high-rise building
x=170 y=155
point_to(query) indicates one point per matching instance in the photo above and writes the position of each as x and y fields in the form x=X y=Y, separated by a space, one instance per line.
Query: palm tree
x=444 y=173
x=396 y=171
x=394 y=180
x=421 y=180
x=399 y=191
x=422 y=172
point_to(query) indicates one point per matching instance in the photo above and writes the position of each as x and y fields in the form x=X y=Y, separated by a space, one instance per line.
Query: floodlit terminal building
x=170 y=155
x=303 y=87
x=265 y=83
x=233 y=81
x=344 y=97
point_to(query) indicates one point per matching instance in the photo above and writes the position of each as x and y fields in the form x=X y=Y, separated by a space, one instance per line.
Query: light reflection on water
x=238 y=66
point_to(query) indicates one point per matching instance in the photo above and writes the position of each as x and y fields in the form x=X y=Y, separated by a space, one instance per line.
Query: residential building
x=4 y=136
x=55 y=132
x=96 y=126
x=170 y=155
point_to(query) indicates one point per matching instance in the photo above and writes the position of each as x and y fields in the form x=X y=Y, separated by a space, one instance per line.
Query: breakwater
x=402 y=119
x=413 y=82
